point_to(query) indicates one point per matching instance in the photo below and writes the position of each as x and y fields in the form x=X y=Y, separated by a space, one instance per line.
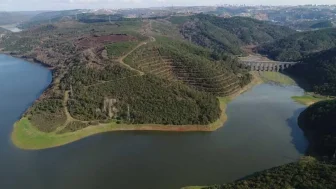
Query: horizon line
x=175 y=6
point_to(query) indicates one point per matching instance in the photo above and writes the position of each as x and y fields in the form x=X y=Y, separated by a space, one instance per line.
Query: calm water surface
x=11 y=27
x=261 y=132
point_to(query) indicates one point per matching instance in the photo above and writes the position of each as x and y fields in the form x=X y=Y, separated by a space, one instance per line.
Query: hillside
x=319 y=72
x=192 y=65
x=230 y=34
x=117 y=73
x=50 y=16
x=307 y=173
x=297 y=46
x=323 y=24
x=317 y=121
x=69 y=15
x=3 y=33
x=7 y=18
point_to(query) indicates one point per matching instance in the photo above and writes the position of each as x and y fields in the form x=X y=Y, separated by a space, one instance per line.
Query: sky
x=21 y=5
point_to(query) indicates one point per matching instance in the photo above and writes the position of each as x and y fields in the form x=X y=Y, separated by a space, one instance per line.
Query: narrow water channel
x=261 y=133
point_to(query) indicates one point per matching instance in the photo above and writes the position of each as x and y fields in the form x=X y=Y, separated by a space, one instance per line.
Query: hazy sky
x=14 y=5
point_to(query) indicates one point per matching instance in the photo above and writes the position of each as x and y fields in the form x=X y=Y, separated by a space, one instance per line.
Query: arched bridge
x=267 y=65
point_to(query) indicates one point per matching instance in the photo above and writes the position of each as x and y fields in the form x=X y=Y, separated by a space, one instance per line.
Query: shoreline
x=30 y=60
x=25 y=136
x=308 y=99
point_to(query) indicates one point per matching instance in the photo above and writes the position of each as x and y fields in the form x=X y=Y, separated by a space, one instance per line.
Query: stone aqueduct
x=267 y=65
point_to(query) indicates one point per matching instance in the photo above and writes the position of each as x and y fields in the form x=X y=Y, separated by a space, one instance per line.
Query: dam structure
x=275 y=66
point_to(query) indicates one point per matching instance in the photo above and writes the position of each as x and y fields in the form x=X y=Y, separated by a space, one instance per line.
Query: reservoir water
x=11 y=27
x=261 y=133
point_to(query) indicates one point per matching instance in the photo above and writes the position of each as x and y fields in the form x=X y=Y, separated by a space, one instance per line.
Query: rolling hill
x=317 y=123
x=230 y=34
x=306 y=173
x=190 y=64
x=319 y=72
x=7 y=18
x=118 y=73
x=297 y=46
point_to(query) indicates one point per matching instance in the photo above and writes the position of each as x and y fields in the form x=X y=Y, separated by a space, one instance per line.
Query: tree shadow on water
x=298 y=137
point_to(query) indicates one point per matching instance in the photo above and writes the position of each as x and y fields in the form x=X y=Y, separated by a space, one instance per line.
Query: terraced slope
x=168 y=62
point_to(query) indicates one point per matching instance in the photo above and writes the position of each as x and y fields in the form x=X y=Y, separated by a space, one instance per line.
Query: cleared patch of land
x=254 y=57
x=116 y=50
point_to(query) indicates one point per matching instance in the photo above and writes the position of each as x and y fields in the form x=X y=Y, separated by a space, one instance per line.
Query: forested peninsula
x=127 y=75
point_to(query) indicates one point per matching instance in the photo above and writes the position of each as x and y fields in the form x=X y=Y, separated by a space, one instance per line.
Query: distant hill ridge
x=295 y=47
x=230 y=34
x=319 y=71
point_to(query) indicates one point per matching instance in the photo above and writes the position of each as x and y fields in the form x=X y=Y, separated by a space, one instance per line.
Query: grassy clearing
x=309 y=99
x=116 y=50
x=73 y=126
x=276 y=77
x=26 y=136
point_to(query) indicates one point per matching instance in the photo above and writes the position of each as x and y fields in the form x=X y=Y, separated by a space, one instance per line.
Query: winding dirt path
x=147 y=29
x=66 y=111
x=121 y=59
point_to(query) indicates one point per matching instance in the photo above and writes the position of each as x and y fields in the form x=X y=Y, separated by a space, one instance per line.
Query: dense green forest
x=297 y=46
x=319 y=72
x=318 y=123
x=230 y=34
x=47 y=115
x=308 y=173
x=148 y=99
